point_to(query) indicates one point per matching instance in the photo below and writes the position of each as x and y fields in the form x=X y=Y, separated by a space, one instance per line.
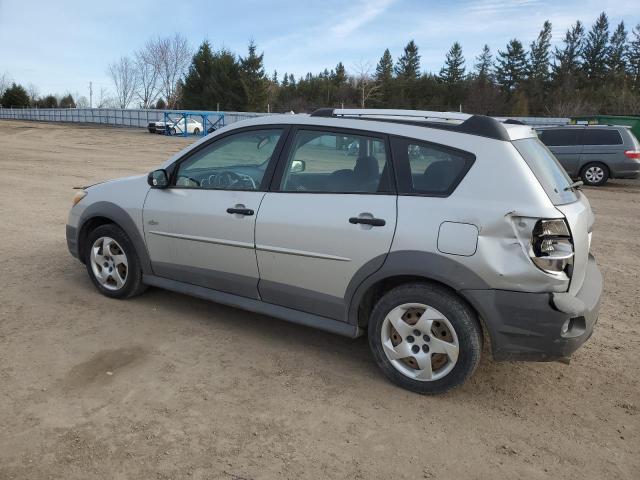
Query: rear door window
x=427 y=168
x=548 y=171
x=601 y=136
x=336 y=162
x=562 y=137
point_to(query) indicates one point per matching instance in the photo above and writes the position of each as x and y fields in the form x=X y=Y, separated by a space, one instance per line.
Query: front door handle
x=240 y=211
x=374 y=222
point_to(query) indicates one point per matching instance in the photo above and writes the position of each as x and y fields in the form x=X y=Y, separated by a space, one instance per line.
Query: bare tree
x=104 y=99
x=147 y=91
x=170 y=56
x=33 y=93
x=82 y=101
x=5 y=82
x=364 y=81
x=123 y=73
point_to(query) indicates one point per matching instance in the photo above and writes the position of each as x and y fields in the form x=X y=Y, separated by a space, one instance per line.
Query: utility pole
x=90 y=94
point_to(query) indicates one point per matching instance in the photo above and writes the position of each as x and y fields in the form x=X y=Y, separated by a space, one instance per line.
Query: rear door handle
x=240 y=211
x=375 y=222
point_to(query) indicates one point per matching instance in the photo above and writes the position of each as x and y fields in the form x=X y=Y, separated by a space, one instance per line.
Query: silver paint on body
x=299 y=252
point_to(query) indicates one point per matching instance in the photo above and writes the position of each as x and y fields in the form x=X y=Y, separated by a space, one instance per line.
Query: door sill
x=256 y=306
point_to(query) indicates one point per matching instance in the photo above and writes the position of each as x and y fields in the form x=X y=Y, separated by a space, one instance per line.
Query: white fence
x=140 y=118
x=110 y=116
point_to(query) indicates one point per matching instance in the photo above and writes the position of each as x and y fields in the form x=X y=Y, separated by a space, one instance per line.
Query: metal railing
x=116 y=117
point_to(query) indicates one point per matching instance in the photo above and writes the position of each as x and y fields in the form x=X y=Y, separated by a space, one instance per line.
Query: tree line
x=592 y=70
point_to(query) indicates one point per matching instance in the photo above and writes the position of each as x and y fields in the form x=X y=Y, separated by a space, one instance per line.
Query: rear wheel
x=424 y=338
x=196 y=131
x=112 y=262
x=594 y=174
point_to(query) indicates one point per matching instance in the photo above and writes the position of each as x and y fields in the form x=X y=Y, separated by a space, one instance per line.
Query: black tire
x=457 y=312
x=601 y=171
x=196 y=131
x=133 y=283
x=172 y=131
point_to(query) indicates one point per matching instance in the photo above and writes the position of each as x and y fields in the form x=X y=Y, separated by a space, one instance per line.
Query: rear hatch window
x=547 y=170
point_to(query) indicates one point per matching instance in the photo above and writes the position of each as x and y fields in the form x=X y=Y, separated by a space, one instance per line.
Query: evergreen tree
x=384 y=69
x=226 y=86
x=483 y=97
x=484 y=65
x=452 y=75
x=567 y=61
x=340 y=75
x=453 y=71
x=15 y=96
x=196 y=89
x=384 y=77
x=595 y=50
x=274 y=78
x=254 y=80
x=617 y=53
x=50 y=101
x=633 y=66
x=67 y=101
x=408 y=66
x=539 y=55
x=512 y=67
x=539 y=69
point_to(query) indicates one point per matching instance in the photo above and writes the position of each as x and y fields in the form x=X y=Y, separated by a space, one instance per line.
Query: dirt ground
x=166 y=386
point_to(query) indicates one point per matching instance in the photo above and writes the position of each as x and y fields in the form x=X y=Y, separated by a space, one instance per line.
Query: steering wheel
x=228 y=178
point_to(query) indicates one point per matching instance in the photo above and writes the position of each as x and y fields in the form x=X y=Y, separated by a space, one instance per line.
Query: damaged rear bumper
x=539 y=326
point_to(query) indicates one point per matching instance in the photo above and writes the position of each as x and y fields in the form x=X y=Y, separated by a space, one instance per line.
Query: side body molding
x=122 y=218
x=440 y=268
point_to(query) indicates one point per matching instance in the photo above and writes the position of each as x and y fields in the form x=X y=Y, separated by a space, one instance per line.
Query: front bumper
x=529 y=326
x=72 y=241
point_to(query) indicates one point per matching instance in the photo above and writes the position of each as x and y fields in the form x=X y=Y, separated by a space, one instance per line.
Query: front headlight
x=78 y=196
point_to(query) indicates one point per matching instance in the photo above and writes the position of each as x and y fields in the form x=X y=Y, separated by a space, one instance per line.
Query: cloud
x=363 y=13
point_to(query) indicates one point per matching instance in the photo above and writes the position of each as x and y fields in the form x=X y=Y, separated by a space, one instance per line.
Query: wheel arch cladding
x=101 y=213
x=402 y=267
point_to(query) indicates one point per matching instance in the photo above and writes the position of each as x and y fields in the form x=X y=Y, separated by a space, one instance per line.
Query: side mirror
x=158 y=179
x=298 y=166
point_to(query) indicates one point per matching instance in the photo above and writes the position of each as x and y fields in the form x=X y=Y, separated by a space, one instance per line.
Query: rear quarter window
x=547 y=169
x=428 y=169
x=601 y=136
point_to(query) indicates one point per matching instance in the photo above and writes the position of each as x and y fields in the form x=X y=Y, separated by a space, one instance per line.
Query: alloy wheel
x=109 y=263
x=594 y=174
x=420 y=342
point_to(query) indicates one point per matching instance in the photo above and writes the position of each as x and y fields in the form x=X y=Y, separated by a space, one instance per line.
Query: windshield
x=547 y=170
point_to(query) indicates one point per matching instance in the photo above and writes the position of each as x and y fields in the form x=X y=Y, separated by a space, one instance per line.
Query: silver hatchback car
x=432 y=232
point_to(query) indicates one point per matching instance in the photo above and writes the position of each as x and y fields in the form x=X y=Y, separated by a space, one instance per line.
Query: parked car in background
x=442 y=231
x=160 y=127
x=176 y=128
x=594 y=153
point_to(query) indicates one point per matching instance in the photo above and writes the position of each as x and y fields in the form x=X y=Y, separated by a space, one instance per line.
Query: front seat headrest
x=367 y=168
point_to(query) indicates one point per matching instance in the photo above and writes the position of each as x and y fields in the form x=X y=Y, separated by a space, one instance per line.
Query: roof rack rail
x=460 y=122
x=383 y=112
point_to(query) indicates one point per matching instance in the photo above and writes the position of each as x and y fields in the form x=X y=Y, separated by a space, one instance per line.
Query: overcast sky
x=62 y=45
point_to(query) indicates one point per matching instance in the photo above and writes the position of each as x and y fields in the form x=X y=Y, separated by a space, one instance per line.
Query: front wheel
x=425 y=338
x=112 y=262
x=196 y=131
x=594 y=174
